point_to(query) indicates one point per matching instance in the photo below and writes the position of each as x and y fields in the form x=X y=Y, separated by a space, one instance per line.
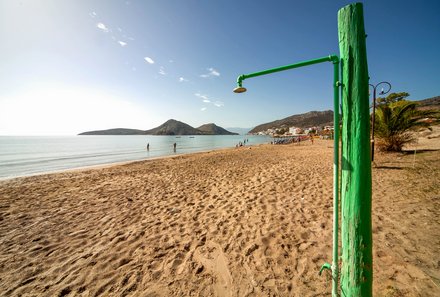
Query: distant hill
x=430 y=103
x=170 y=127
x=309 y=119
x=117 y=131
x=173 y=127
x=325 y=118
x=213 y=129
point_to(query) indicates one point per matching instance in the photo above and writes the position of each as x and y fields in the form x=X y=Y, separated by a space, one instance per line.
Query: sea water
x=28 y=155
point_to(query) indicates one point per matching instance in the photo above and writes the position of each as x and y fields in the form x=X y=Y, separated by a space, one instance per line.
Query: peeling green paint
x=356 y=272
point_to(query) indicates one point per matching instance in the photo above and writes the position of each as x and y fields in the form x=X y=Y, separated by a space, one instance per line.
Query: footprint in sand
x=215 y=263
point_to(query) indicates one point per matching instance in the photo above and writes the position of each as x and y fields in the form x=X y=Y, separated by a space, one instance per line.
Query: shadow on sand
x=411 y=152
x=388 y=167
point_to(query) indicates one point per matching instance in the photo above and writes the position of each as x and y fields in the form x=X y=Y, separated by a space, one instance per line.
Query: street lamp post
x=382 y=92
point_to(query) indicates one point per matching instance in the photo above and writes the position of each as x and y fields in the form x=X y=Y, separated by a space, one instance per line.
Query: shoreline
x=120 y=163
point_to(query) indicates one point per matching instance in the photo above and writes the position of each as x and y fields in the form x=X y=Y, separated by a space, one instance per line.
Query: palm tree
x=396 y=121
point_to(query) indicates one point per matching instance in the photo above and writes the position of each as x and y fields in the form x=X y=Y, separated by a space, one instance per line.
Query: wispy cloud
x=162 y=71
x=93 y=14
x=102 y=27
x=212 y=73
x=206 y=99
x=181 y=79
x=149 y=60
x=203 y=109
x=218 y=103
x=116 y=34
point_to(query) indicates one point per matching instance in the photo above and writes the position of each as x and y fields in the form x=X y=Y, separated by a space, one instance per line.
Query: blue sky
x=73 y=66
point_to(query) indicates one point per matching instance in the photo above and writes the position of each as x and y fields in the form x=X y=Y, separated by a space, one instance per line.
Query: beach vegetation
x=393 y=97
x=397 y=119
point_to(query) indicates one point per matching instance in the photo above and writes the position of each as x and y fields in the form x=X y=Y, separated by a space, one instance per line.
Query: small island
x=170 y=127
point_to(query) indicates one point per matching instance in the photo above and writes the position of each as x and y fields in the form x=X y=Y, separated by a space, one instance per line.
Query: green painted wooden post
x=357 y=265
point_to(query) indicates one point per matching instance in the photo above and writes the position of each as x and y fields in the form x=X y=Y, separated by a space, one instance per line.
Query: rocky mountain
x=309 y=119
x=213 y=129
x=170 y=127
x=173 y=127
x=117 y=131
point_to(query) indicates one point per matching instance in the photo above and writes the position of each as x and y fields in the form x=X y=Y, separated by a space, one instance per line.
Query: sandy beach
x=240 y=222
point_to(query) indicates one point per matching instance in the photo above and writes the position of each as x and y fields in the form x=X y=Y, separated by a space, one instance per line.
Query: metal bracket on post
x=326 y=266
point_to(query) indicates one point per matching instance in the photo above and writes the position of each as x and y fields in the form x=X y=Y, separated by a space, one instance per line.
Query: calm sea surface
x=27 y=155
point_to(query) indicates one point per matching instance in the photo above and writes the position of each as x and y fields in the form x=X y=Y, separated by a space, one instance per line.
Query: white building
x=295 y=131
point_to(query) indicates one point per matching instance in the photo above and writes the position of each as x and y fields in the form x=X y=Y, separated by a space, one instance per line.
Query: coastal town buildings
x=294 y=131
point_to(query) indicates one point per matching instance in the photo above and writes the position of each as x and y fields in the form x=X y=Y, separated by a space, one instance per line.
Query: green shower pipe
x=336 y=84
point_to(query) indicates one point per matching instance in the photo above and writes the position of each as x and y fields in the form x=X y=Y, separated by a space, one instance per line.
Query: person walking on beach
x=311 y=138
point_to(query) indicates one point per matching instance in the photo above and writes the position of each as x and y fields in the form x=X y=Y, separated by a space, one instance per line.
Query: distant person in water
x=174 y=145
x=148 y=146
